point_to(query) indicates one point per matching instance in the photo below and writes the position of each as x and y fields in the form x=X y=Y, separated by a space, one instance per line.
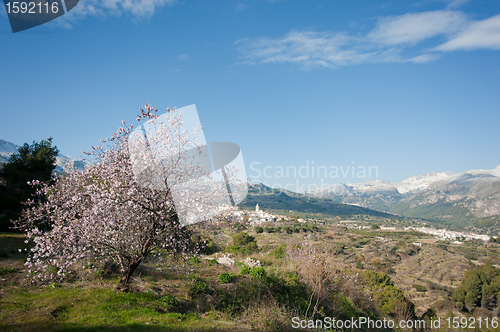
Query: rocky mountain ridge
x=444 y=196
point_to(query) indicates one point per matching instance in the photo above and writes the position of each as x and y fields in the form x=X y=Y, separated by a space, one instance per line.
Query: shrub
x=259 y=229
x=245 y=270
x=194 y=260
x=251 y=247
x=198 y=288
x=258 y=272
x=213 y=261
x=169 y=301
x=242 y=239
x=225 y=278
x=279 y=252
x=420 y=288
x=236 y=250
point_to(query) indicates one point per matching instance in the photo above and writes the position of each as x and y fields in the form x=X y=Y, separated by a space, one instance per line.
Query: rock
x=251 y=262
x=225 y=261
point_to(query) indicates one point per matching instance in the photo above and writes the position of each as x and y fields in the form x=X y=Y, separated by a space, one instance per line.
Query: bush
x=420 y=288
x=194 y=260
x=242 y=239
x=225 y=278
x=169 y=301
x=245 y=270
x=259 y=229
x=258 y=272
x=213 y=261
x=236 y=250
x=251 y=247
x=198 y=288
x=279 y=252
x=269 y=229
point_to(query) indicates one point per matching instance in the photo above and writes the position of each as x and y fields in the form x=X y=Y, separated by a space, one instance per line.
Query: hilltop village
x=259 y=217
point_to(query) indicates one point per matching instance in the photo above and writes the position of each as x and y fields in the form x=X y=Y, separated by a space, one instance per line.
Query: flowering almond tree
x=121 y=207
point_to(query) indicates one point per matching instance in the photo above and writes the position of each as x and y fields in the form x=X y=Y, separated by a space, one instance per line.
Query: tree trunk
x=124 y=284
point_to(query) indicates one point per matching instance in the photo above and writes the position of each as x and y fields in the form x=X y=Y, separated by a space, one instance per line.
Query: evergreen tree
x=31 y=163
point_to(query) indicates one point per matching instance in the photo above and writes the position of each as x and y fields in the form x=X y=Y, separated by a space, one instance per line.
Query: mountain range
x=452 y=199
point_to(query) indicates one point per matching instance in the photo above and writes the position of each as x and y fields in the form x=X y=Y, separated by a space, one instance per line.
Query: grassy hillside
x=362 y=272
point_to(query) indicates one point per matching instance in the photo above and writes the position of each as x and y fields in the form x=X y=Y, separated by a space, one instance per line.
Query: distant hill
x=456 y=200
x=267 y=198
x=64 y=163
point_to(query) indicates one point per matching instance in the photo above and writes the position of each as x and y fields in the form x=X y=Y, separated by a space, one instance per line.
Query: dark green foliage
x=269 y=229
x=251 y=247
x=242 y=239
x=225 y=278
x=259 y=229
x=479 y=287
x=199 y=288
x=375 y=226
x=236 y=250
x=387 y=296
x=245 y=270
x=169 y=301
x=420 y=288
x=279 y=252
x=258 y=272
x=31 y=162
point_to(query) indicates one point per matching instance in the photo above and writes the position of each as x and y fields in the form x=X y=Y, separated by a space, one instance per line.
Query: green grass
x=92 y=309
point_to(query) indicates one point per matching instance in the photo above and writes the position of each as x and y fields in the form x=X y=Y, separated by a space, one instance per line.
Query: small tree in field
x=112 y=211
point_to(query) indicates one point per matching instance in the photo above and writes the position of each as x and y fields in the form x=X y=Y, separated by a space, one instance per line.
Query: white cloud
x=183 y=57
x=413 y=28
x=137 y=8
x=308 y=48
x=241 y=6
x=311 y=49
x=478 y=35
x=386 y=43
x=456 y=3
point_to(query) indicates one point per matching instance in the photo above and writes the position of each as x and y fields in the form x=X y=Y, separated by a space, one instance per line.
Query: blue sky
x=410 y=87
